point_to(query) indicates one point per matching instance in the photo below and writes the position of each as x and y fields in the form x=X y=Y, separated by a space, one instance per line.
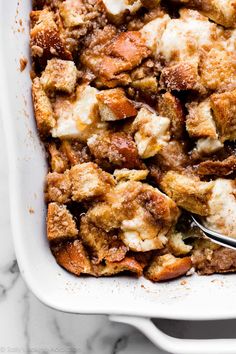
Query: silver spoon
x=215 y=236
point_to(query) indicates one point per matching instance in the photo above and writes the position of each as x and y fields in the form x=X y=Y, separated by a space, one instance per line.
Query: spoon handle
x=216 y=237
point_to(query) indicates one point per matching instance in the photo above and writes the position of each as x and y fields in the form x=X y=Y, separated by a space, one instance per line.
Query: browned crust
x=45 y=37
x=161 y=269
x=217 y=168
x=170 y=106
x=180 y=77
x=60 y=223
x=42 y=108
x=117 y=102
x=224 y=109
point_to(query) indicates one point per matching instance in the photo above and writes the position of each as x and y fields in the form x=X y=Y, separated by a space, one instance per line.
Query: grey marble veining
x=28 y=326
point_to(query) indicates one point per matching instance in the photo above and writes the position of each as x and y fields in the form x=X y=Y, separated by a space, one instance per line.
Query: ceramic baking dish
x=135 y=301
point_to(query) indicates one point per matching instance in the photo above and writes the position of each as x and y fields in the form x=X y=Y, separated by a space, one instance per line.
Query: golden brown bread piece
x=176 y=244
x=45 y=39
x=58 y=161
x=43 y=109
x=75 y=152
x=128 y=264
x=89 y=181
x=122 y=54
x=217 y=168
x=188 y=192
x=72 y=13
x=114 y=150
x=170 y=106
x=217 y=69
x=114 y=105
x=167 y=267
x=58 y=187
x=200 y=122
x=182 y=76
x=221 y=13
x=60 y=223
x=102 y=245
x=59 y=75
x=224 y=109
x=73 y=257
x=130 y=175
x=172 y=156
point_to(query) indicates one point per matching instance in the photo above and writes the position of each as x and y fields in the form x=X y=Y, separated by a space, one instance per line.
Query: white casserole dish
x=202 y=298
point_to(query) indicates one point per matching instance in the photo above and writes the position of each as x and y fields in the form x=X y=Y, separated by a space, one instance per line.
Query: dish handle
x=176 y=345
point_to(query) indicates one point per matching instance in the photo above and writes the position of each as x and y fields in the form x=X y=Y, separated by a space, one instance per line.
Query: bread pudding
x=135 y=102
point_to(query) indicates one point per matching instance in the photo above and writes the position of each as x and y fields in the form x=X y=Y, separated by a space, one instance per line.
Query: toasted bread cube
x=181 y=77
x=222 y=12
x=117 y=9
x=103 y=245
x=114 y=105
x=75 y=152
x=77 y=118
x=224 y=109
x=132 y=175
x=152 y=32
x=176 y=244
x=148 y=85
x=130 y=47
x=59 y=75
x=200 y=122
x=114 y=150
x=46 y=41
x=89 y=181
x=170 y=106
x=43 y=109
x=217 y=69
x=151 y=132
x=128 y=264
x=70 y=11
x=60 y=223
x=58 y=187
x=73 y=257
x=57 y=159
x=188 y=192
x=168 y=267
x=217 y=168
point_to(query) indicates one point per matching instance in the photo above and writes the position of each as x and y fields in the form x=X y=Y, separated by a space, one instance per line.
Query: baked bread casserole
x=135 y=102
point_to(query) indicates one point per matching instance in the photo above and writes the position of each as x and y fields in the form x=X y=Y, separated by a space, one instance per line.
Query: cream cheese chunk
x=222 y=205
